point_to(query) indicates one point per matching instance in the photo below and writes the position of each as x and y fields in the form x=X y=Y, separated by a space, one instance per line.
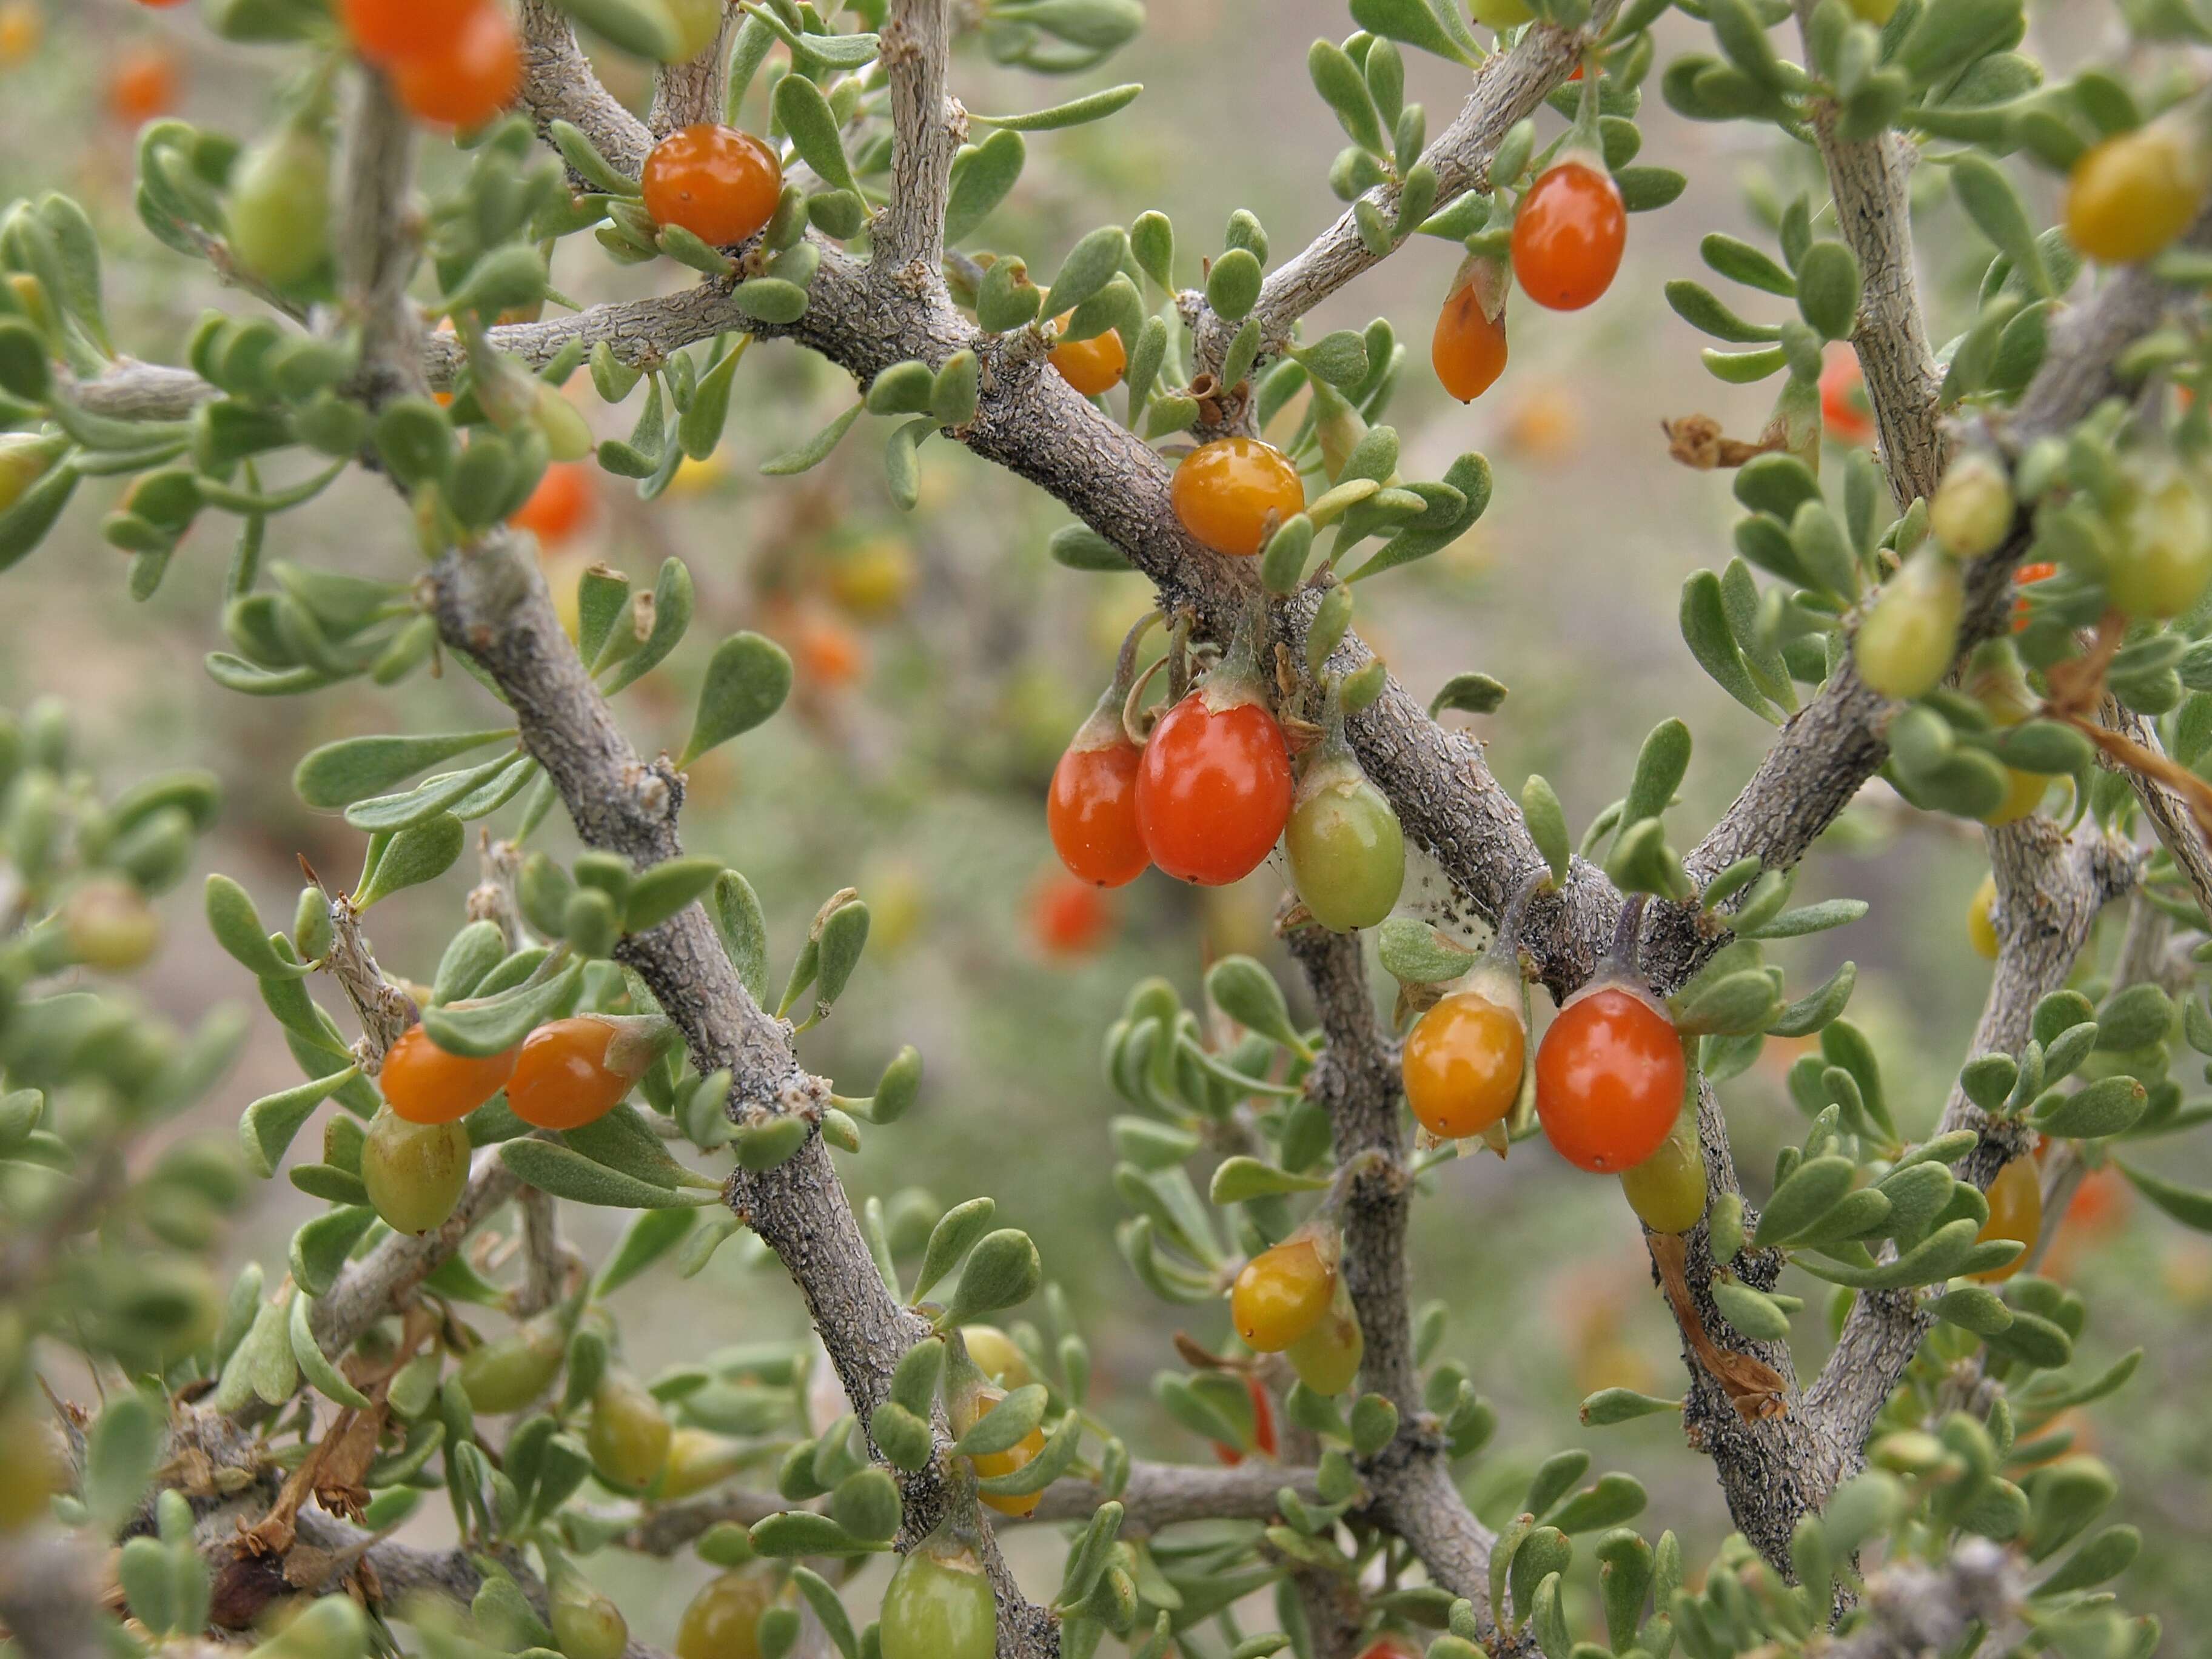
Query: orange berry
x=1462 y=1064
x=717 y=183
x=991 y=1464
x=402 y=31
x=2015 y=1213
x=1092 y=367
x=22 y=27
x=1069 y=916
x=1609 y=1078
x=1845 y=410
x=1281 y=1294
x=1231 y=492
x=1569 y=235
x=559 y=507
x=143 y=85
x=1468 y=349
x=828 y=653
x=423 y=1084
x=468 y=84
x=563 y=1079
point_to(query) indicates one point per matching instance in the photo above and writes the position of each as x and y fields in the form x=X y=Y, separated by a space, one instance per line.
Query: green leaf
x=1006 y=1424
x=1610 y=1405
x=1992 y=202
x=267 y=1127
x=1092 y=106
x=815 y=450
x=982 y=176
x=566 y=1173
x=955 y=1233
x=2187 y=1205
x=642 y=28
x=1416 y=954
x=739 y=919
x=1240 y=1180
x=315 y=1365
x=1092 y=263
x=804 y=113
x=121 y=1454
x=339 y=773
x=480 y=1028
x=663 y=890
x=672 y=603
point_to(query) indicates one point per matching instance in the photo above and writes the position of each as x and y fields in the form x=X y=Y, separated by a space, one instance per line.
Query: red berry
x=1845 y=410
x=143 y=85
x=1070 y=918
x=423 y=1084
x=401 y=31
x=1609 y=1077
x=559 y=506
x=1569 y=235
x=717 y=183
x=1468 y=349
x=1214 y=790
x=1091 y=811
x=469 y=83
x=1263 y=1426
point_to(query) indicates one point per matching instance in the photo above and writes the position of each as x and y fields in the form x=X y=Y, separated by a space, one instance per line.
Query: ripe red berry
x=471 y=81
x=423 y=1084
x=390 y=32
x=717 y=183
x=559 y=505
x=1569 y=235
x=1609 y=1078
x=1091 y=811
x=1468 y=348
x=1069 y=916
x=1213 y=792
x=564 y=1077
x=1230 y=493
x=1845 y=414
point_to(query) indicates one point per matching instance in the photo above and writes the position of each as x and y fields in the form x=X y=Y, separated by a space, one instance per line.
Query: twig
x=928 y=127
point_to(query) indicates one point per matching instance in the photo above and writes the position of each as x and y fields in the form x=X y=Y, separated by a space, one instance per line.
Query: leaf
x=1810 y=918
x=672 y=603
x=236 y=925
x=384 y=814
x=2187 y=1205
x=955 y=1232
x=739 y=919
x=121 y=1456
x=1047 y=1467
x=315 y=1365
x=622 y=1141
x=266 y=1128
x=1416 y=954
x=1610 y=1405
x=666 y=888
x=1092 y=106
x=983 y=175
x=1705 y=630
x=337 y=774
x=477 y=1030
x=566 y=1173
x=804 y=113
x=420 y=853
x=1006 y=1424
x=747 y=679
x=319 y=1247
x=1240 y=1180
x=815 y=450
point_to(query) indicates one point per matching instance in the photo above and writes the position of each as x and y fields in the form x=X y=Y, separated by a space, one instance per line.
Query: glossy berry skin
x=938 y=1606
x=1090 y=812
x=1462 y=1064
x=1281 y=1294
x=561 y=1079
x=998 y=1356
x=561 y=505
x=1667 y=1190
x=629 y=1434
x=390 y=32
x=2164 y=557
x=414 y=1172
x=2015 y=1213
x=1263 y=1426
x=989 y=1465
x=1389 y=1646
x=423 y=1084
x=1609 y=1078
x=586 y=1624
x=1348 y=853
x=717 y=183
x=1092 y=366
x=2130 y=195
x=1069 y=917
x=1229 y=492
x=1467 y=350
x=508 y=1373
x=1214 y=790
x=698 y=24
x=469 y=83
x=1569 y=235
x=1845 y=415
x=279 y=211
x=721 y=1621
x=1981 y=920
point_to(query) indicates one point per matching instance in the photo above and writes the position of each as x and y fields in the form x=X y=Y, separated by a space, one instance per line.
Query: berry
x=722 y=1619
x=1462 y=1064
x=1231 y=492
x=1468 y=348
x=997 y=1356
x=586 y=1624
x=1981 y=920
x=22 y=28
x=564 y=500
x=828 y=652
x=507 y=1374
x=1905 y=647
x=1569 y=235
x=1609 y=1078
x=989 y=1465
x=1667 y=1190
x=423 y=1084
x=1348 y=853
x=1093 y=367
x=1972 y=510
x=390 y=32
x=2015 y=1213
x=698 y=1459
x=717 y=183
x=1214 y=792
x=564 y=1076
x=1069 y=916
x=1327 y=1358
x=469 y=83
x=1091 y=812
x=30 y=1475
x=1845 y=413
x=938 y=1606
x=143 y=85
x=2026 y=576
x=279 y=210
x=1500 y=13
x=414 y=1172
x=1876 y=12
x=109 y=924
x=24 y=460
x=698 y=23
x=1281 y=1293
x=629 y=1434
x=2131 y=195
x=2163 y=555
x=1389 y=1646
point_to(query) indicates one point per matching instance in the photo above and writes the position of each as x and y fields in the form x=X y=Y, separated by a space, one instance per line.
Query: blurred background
x=942 y=660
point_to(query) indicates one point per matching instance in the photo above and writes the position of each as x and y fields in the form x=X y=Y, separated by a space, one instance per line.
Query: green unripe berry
x=414 y=1172
x=1973 y=511
x=1906 y=643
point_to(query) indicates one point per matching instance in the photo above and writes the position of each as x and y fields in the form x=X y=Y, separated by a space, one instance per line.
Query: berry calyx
x=1609 y=1080
x=715 y=181
x=469 y=81
x=414 y=1172
x=1093 y=367
x=2132 y=195
x=569 y=1072
x=423 y=1084
x=1467 y=350
x=1231 y=492
x=1463 y=1062
x=1214 y=790
x=1569 y=233
x=1281 y=1293
x=1346 y=850
x=2015 y=1213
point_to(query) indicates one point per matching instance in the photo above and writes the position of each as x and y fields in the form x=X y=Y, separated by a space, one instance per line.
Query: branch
x=1913 y=1609
x=2050 y=890
x=377 y=244
x=49 y=1598
x=544 y=1259
x=928 y=127
x=1870 y=180
x=1410 y=1486
x=373 y=1286
x=2169 y=814
x=684 y=94
x=558 y=85
x=1509 y=87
